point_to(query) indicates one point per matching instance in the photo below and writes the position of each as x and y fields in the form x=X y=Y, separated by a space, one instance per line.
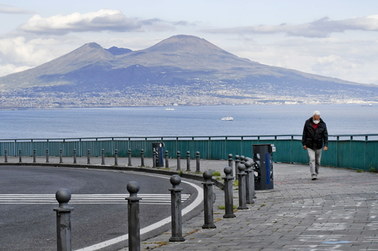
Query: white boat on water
x=169 y=109
x=227 y=118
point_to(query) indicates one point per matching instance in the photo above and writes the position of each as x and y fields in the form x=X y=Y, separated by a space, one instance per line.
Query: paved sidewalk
x=339 y=211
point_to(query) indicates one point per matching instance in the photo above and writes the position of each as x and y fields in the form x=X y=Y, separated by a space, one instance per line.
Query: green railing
x=349 y=151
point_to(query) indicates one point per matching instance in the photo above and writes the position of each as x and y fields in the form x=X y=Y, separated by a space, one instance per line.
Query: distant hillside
x=181 y=69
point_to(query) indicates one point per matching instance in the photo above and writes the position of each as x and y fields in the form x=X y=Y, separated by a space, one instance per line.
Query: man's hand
x=305 y=147
x=325 y=148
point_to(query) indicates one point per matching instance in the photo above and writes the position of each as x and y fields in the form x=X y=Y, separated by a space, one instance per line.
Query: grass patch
x=217 y=174
x=359 y=171
x=222 y=207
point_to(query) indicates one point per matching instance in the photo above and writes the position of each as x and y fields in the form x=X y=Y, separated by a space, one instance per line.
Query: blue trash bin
x=263 y=168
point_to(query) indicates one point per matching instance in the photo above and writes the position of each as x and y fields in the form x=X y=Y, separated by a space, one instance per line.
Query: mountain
x=181 y=69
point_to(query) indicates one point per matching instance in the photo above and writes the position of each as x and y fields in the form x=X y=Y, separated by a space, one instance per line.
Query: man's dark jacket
x=315 y=138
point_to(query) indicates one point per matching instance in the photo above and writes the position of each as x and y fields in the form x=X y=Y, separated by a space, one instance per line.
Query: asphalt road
x=32 y=226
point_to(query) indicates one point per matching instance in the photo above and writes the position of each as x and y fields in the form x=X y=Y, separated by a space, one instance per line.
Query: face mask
x=316 y=121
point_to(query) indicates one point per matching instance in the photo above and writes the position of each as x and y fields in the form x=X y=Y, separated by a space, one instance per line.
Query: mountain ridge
x=189 y=69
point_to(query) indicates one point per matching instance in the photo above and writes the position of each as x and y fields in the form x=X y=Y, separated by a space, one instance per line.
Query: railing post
x=208 y=200
x=176 y=214
x=6 y=156
x=47 y=155
x=228 y=193
x=249 y=181
x=198 y=162
x=178 y=160
x=237 y=161
x=142 y=158
x=63 y=220
x=166 y=158
x=60 y=156
x=133 y=216
x=88 y=156
x=116 y=157
x=242 y=188
x=19 y=156
x=103 y=157
x=188 y=161
x=74 y=156
x=129 y=157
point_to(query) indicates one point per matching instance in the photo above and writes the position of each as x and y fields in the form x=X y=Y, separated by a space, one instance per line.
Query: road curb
x=193 y=176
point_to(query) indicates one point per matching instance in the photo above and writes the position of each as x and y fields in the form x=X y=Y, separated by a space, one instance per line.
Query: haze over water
x=184 y=121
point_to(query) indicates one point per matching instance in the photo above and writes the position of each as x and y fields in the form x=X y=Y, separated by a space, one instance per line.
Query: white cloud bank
x=102 y=20
x=323 y=27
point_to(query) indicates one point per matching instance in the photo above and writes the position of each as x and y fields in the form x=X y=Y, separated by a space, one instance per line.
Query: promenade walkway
x=339 y=211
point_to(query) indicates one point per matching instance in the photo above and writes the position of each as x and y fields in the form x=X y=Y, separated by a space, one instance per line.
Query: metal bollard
x=198 y=162
x=6 y=156
x=249 y=181
x=142 y=158
x=166 y=157
x=228 y=193
x=129 y=157
x=74 y=156
x=242 y=188
x=133 y=216
x=60 y=156
x=178 y=160
x=19 y=156
x=154 y=158
x=63 y=220
x=188 y=161
x=208 y=200
x=47 y=155
x=34 y=156
x=176 y=209
x=230 y=160
x=88 y=156
x=237 y=161
x=102 y=156
x=116 y=157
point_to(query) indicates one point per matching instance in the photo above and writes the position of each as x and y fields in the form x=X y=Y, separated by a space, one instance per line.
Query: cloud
x=102 y=20
x=353 y=60
x=323 y=27
x=17 y=53
x=7 y=9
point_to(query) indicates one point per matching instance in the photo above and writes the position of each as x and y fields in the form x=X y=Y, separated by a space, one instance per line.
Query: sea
x=184 y=121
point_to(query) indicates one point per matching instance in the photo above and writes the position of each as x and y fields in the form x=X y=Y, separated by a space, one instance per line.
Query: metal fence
x=349 y=151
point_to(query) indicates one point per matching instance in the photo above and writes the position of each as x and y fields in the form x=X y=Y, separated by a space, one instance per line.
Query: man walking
x=314 y=138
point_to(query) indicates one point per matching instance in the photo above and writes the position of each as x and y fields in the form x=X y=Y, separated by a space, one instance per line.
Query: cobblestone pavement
x=339 y=211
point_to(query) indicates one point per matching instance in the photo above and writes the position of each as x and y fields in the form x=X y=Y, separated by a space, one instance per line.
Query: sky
x=335 y=38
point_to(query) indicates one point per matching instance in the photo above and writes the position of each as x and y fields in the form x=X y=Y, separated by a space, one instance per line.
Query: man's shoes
x=314 y=177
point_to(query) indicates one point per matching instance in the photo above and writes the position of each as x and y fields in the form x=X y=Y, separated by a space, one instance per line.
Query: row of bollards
x=74 y=156
x=246 y=183
x=129 y=158
x=63 y=218
x=246 y=196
